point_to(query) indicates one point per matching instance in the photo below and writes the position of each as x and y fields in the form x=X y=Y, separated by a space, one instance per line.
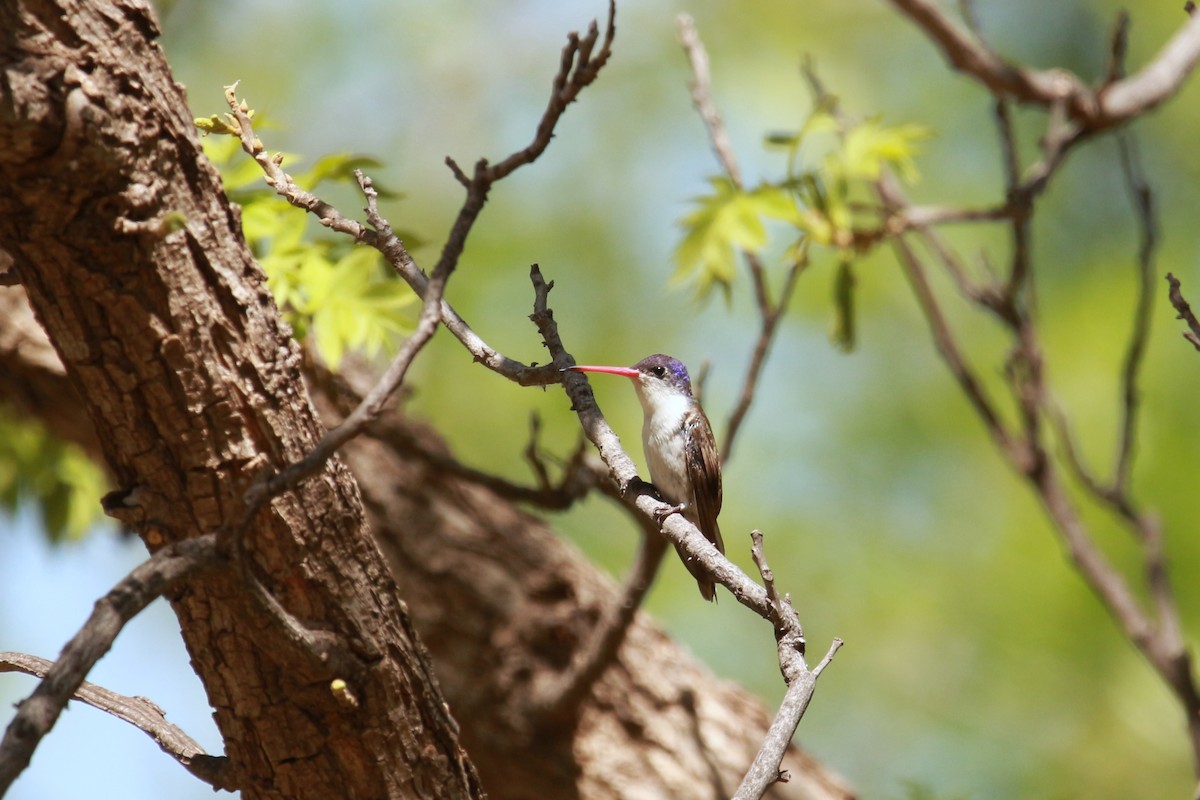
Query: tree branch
x=802 y=683
x=702 y=99
x=769 y=313
x=1157 y=635
x=635 y=492
x=37 y=713
x=142 y=714
x=578 y=69
x=764 y=771
x=1184 y=311
x=1093 y=110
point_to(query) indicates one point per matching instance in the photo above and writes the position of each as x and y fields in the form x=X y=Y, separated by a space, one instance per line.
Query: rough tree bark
x=179 y=357
x=193 y=387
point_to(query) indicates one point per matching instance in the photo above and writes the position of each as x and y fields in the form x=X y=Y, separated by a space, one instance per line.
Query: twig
x=37 y=714
x=1118 y=48
x=769 y=313
x=947 y=345
x=1158 y=636
x=1093 y=110
x=1184 y=311
x=924 y=216
x=764 y=770
x=1144 y=212
x=579 y=67
x=142 y=714
x=769 y=318
x=373 y=403
x=634 y=492
x=789 y=634
x=581 y=473
x=693 y=47
x=562 y=696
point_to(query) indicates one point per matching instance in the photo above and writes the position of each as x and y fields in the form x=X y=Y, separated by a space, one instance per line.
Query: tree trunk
x=172 y=341
x=193 y=386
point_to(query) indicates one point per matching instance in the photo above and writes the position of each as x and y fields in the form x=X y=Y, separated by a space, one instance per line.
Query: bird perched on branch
x=685 y=466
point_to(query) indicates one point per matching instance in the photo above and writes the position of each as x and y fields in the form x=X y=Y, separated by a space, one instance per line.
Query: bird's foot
x=637 y=484
x=661 y=516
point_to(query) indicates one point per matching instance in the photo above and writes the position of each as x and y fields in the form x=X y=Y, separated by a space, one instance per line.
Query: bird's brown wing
x=704 y=465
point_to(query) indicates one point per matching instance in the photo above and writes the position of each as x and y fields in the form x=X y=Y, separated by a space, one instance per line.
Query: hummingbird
x=680 y=449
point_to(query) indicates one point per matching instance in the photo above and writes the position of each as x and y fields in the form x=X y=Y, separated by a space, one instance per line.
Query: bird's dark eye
x=659 y=371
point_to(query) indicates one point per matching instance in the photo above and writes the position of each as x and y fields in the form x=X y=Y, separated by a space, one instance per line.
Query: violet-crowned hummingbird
x=681 y=451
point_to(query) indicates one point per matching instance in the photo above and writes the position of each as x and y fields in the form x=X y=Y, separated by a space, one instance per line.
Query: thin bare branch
x=925 y=216
x=579 y=66
x=764 y=771
x=37 y=713
x=1157 y=635
x=769 y=313
x=702 y=99
x=1091 y=109
x=769 y=318
x=1118 y=48
x=578 y=69
x=947 y=345
x=580 y=474
x=142 y=714
x=1184 y=311
x=1157 y=81
x=633 y=491
x=789 y=634
x=1144 y=213
x=371 y=406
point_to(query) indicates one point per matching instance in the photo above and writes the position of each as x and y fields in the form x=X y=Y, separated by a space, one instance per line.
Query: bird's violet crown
x=674 y=366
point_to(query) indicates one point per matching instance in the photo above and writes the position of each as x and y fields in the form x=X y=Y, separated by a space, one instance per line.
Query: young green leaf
x=728 y=220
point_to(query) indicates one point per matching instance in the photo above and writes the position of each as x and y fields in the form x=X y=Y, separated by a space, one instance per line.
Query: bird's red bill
x=628 y=372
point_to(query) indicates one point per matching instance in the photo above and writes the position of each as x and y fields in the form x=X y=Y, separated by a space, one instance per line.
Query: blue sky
x=46 y=593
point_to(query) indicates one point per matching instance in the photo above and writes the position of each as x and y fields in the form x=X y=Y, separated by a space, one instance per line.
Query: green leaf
x=728 y=220
x=332 y=289
x=870 y=146
x=353 y=303
x=57 y=475
x=339 y=168
x=843 y=306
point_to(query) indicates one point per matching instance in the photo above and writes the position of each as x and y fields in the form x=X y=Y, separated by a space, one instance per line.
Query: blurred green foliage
x=725 y=223
x=822 y=203
x=56 y=476
x=340 y=292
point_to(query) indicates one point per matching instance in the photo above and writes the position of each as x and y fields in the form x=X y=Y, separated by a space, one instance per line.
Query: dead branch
x=37 y=713
x=143 y=715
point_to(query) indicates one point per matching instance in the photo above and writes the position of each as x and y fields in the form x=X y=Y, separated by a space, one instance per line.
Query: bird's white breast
x=663 y=444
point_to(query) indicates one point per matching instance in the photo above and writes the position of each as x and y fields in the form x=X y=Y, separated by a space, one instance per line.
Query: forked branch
x=37 y=713
x=143 y=715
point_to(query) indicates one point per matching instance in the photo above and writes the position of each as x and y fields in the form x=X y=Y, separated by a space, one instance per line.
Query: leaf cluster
x=57 y=474
x=340 y=293
x=820 y=201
